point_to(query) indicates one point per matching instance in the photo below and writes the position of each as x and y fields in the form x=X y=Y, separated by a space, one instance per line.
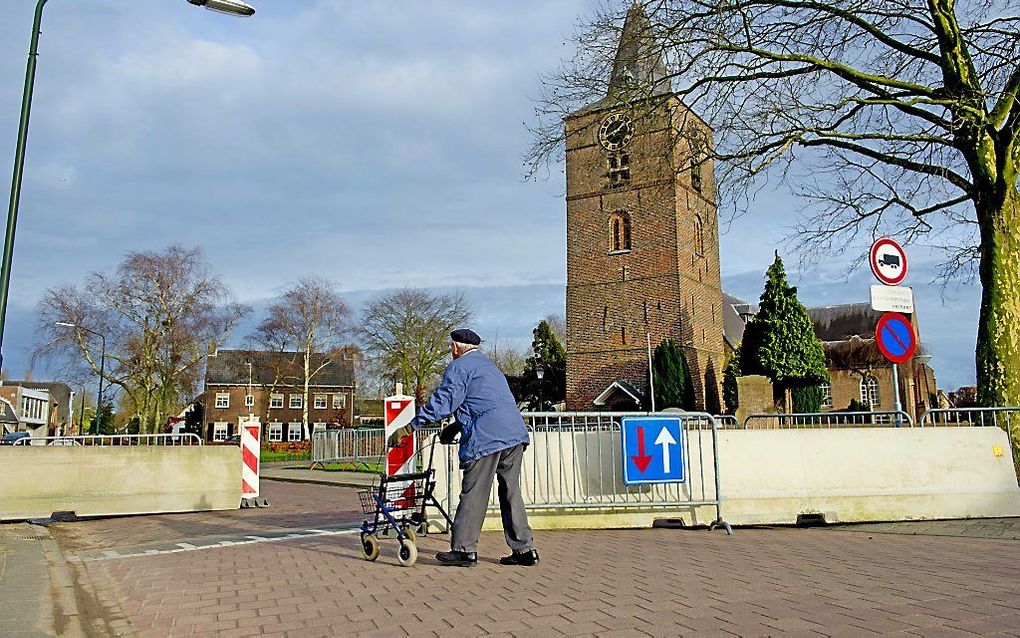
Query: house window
x=619 y=226
x=869 y=392
x=220 y=431
x=249 y=400
x=222 y=400
x=826 y=395
x=276 y=401
x=319 y=427
x=699 y=236
x=320 y=401
x=275 y=432
x=339 y=401
x=296 y=401
x=619 y=169
x=293 y=431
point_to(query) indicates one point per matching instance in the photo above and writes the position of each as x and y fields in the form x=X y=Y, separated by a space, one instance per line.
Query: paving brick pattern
x=292 y=506
x=639 y=582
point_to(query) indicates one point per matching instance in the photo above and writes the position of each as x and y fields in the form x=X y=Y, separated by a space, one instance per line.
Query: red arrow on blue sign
x=640 y=460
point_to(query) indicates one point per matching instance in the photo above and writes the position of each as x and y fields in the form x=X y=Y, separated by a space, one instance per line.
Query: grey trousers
x=476 y=485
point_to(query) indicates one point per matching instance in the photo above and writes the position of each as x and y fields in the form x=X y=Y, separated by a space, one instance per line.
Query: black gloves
x=449 y=433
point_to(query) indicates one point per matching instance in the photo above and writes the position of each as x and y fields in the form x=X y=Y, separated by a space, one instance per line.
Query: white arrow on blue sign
x=653 y=450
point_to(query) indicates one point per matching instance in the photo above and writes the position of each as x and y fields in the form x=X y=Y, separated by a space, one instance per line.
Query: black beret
x=464 y=335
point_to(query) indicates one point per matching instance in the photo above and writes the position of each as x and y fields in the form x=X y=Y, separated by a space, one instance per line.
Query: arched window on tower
x=699 y=236
x=619 y=232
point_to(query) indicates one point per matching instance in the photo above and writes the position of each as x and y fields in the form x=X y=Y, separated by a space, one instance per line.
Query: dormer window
x=619 y=229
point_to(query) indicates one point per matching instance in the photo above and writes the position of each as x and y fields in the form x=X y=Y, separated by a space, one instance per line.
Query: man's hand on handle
x=449 y=433
x=395 y=439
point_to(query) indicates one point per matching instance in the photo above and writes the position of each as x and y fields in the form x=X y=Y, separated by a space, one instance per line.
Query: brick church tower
x=642 y=235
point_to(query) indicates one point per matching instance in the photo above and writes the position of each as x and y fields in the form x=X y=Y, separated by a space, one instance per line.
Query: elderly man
x=492 y=443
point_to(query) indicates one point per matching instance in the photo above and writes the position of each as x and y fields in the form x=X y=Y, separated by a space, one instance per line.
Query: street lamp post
x=540 y=373
x=102 y=369
x=232 y=7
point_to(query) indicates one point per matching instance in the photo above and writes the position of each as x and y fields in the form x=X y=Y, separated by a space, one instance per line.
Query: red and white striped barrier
x=250 y=452
x=400 y=458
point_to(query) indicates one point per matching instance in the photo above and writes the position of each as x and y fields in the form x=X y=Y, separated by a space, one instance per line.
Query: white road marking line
x=188 y=547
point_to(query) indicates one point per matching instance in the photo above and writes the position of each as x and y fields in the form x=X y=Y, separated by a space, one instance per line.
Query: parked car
x=11 y=437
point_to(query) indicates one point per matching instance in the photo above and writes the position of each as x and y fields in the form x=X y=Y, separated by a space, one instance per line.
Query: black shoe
x=458 y=559
x=528 y=558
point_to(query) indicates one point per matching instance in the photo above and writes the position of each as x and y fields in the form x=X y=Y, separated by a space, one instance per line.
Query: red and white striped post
x=250 y=452
x=400 y=458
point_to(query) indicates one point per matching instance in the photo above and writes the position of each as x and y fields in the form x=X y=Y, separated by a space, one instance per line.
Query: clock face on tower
x=615 y=132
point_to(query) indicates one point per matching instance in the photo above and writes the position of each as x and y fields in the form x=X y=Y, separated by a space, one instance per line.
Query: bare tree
x=408 y=332
x=558 y=325
x=161 y=312
x=312 y=319
x=508 y=358
x=884 y=114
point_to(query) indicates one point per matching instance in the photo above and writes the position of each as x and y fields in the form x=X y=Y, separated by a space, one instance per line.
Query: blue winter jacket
x=476 y=392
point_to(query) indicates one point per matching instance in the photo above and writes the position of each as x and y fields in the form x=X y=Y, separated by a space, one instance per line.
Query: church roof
x=638 y=68
x=831 y=323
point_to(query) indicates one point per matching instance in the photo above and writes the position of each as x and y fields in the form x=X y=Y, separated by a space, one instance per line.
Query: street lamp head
x=539 y=372
x=230 y=7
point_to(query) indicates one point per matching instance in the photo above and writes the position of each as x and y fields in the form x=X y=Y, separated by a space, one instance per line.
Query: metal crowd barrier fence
x=575 y=462
x=361 y=447
x=114 y=440
x=726 y=420
x=1007 y=418
x=822 y=420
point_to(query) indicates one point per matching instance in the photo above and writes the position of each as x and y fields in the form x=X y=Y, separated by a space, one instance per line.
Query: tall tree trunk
x=304 y=401
x=998 y=342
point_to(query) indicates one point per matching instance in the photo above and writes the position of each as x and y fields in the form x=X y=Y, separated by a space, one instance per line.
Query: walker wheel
x=407 y=554
x=369 y=547
x=410 y=534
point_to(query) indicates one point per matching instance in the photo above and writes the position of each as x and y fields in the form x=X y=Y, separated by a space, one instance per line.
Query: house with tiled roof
x=271 y=385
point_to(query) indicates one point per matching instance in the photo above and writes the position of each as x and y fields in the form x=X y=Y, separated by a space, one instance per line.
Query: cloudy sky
x=376 y=143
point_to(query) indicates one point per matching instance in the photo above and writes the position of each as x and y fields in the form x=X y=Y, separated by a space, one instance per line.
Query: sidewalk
x=295 y=473
x=37 y=596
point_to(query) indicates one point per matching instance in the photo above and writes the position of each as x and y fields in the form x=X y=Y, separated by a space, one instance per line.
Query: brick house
x=270 y=385
x=642 y=235
x=857 y=370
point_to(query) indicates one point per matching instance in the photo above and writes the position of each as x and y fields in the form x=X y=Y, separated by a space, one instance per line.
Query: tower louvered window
x=619 y=228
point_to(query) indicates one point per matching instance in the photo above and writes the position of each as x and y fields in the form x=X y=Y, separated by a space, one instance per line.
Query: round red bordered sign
x=888 y=261
x=895 y=338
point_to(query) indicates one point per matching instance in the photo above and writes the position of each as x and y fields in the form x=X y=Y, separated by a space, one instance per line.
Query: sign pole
x=896 y=394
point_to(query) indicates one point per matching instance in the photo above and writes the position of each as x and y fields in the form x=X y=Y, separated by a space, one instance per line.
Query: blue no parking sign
x=653 y=450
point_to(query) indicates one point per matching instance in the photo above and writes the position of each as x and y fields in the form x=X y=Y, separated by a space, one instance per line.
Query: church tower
x=642 y=235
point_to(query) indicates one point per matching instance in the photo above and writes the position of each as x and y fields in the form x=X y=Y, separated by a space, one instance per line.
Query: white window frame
x=276 y=401
x=320 y=402
x=319 y=427
x=826 y=395
x=294 y=431
x=249 y=400
x=869 y=392
x=339 y=401
x=220 y=431
x=222 y=400
x=297 y=401
x=275 y=432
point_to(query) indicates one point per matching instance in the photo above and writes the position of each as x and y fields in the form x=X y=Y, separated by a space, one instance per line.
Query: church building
x=642 y=235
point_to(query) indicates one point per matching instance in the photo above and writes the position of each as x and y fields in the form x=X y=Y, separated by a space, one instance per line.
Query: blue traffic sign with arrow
x=653 y=450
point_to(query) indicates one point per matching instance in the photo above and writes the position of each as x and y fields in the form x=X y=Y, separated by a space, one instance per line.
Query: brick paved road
x=292 y=506
x=655 y=582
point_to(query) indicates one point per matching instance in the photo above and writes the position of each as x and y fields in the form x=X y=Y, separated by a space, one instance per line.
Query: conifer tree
x=729 y=385
x=780 y=342
x=550 y=354
x=674 y=387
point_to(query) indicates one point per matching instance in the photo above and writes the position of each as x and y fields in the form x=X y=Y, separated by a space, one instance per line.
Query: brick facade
x=261 y=408
x=667 y=283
